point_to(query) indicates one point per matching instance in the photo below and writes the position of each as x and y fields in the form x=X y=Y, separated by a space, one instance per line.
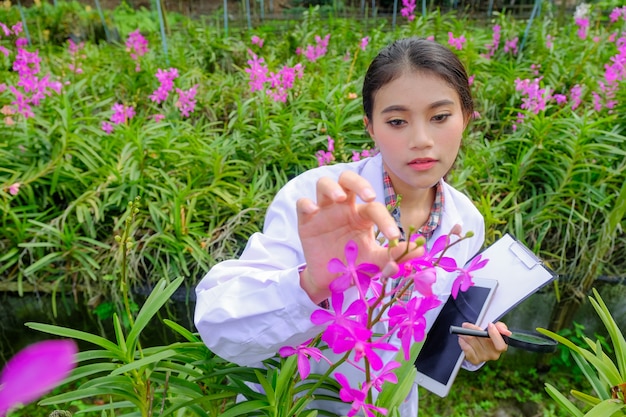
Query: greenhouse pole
x=262 y=9
x=423 y=7
x=395 y=12
x=104 y=25
x=163 y=38
x=247 y=2
x=226 y=18
x=19 y=6
x=535 y=12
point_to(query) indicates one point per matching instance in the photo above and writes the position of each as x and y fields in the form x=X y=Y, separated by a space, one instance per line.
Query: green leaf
x=267 y=387
x=182 y=331
x=243 y=408
x=148 y=360
x=598 y=386
x=566 y=404
x=617 y=337
x=157 y=298
x=607 y=408
x=77 y=334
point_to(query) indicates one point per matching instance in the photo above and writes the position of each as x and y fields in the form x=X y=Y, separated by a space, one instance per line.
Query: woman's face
x=417 y=124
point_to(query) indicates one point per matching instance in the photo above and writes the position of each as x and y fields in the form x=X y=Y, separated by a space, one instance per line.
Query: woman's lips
x=422 y=164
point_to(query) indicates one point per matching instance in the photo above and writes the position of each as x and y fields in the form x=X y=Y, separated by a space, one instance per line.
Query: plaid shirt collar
x=391 y=201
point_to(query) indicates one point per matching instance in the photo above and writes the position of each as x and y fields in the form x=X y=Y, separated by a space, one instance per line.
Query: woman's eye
x=441 y=117
x=396 y=122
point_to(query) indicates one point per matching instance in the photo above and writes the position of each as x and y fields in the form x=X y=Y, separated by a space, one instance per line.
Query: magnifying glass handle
x=468 y=332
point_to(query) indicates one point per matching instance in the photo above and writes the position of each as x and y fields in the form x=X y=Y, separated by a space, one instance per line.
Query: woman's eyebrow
x=394 y=107
x=400 y=107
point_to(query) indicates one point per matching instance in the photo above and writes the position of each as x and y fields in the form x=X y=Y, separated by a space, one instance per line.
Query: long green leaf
x=148 y=360
x=617 y=337
x=597 y=385
x=607 y=408
x=563 y=401
x=157 y=298
x=241 y=409
x=77 y=334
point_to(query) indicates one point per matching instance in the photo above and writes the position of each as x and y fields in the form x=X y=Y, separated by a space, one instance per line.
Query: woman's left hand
x=482 y=349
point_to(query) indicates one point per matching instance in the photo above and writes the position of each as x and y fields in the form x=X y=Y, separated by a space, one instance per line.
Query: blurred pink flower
x=166 y=79
x=456 y=42
x=364 y=42
x=257 y=41
x=14 y=188
x=137 y=46
x=583 y=24
x=408 y=9
x=511 y=46
x=107 y=127
x=34 y=371
x=314 y=52
x=186 y=102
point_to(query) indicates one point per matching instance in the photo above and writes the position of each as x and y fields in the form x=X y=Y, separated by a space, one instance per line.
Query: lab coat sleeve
x=248 y=308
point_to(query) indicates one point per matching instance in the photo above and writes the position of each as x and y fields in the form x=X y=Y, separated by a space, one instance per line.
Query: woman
x=417 y=103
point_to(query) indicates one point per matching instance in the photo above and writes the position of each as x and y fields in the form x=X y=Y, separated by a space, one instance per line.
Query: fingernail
x=369 y=194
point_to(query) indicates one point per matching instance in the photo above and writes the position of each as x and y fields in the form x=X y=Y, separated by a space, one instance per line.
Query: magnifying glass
x=531 y=341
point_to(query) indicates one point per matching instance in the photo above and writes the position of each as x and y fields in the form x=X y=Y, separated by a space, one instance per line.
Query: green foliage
x=145 y=381
x=605 y=374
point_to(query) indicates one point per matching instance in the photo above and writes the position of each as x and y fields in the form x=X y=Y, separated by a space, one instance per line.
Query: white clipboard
x=518 y=273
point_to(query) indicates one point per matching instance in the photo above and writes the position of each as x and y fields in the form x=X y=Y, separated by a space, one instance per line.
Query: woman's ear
x=368 y=127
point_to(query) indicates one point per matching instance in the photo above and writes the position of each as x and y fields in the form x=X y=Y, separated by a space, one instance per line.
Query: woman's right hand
x=327 y=225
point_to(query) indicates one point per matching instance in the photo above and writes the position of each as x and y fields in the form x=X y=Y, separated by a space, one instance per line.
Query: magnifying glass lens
x=530 y=338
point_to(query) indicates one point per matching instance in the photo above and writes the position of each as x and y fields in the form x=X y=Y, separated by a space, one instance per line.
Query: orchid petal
x=34 y=371
x=351 y=251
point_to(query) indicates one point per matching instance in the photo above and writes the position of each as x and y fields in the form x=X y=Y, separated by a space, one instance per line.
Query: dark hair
x=416 y=54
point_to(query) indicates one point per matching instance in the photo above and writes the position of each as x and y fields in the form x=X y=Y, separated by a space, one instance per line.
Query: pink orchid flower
x=35 y=371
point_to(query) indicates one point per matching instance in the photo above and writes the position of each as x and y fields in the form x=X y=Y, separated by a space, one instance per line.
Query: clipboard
x=518 y=273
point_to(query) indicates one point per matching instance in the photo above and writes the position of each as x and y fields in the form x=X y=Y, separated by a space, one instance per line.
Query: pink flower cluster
x=314 y=52
x=583 y=25
x=510 y=46
x=186 y=101
x=349 y=325
x=121 y=115
x=30 y=89
x=279 y=82
x=166 y=79
x=495 y=42
x=257 y=41
x=616 y=13
x=614 y=74
x=137 y=46
x=16 y=29
x=326 y=157
x=75 y=56
x=408 y=9
x=456 y=42
x=535 y=98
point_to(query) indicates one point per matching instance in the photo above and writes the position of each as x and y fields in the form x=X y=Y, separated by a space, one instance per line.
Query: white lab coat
x=248 y=308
